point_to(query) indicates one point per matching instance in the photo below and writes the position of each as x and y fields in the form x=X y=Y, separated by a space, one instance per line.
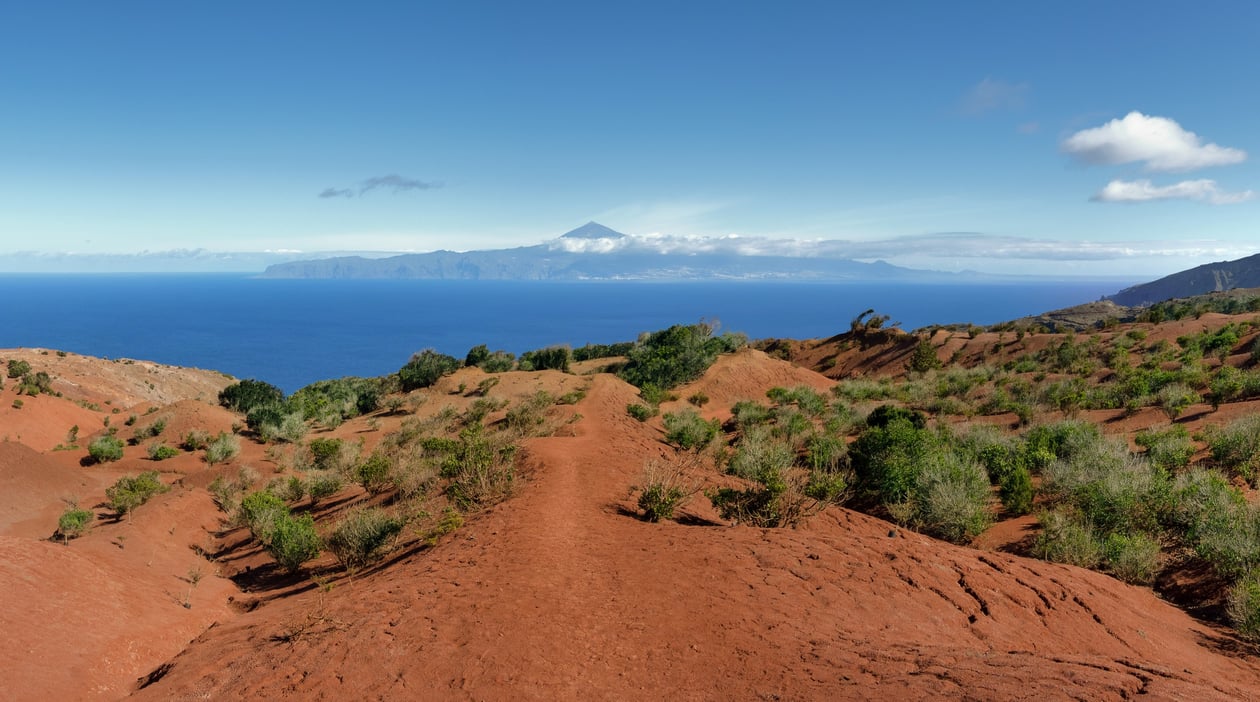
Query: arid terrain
x=552 y=585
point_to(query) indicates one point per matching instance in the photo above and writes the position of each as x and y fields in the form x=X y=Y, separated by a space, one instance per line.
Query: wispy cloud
x=1202 y=190
x=990 y=94
x=1159 y=143
x=392 y=182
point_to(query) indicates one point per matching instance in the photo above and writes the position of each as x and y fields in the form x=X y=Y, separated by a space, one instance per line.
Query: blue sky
x=1113 y=138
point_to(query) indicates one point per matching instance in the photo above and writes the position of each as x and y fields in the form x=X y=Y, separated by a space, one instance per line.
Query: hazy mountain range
x=1200 y=280
x=595 y=252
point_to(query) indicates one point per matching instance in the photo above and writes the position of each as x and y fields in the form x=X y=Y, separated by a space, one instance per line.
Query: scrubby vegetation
x=129 y=493
x=107 y=448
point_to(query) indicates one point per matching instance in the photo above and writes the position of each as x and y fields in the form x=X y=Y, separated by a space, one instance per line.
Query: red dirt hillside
x=561 y=593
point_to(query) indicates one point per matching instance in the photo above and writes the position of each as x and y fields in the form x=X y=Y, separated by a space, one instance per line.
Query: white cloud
x=1157 y=142
x=989 y=94
x=1202 y=190
x=936 y=246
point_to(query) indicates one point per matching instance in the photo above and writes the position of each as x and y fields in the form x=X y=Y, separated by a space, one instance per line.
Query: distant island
x=596 y=252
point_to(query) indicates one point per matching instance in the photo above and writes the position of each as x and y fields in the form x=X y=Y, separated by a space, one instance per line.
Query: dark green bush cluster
x=333 y=401
x=247 y=394
x=550 y=358
x=673 y=356
x=17 y=368
x=641 y=411
x=129 y=493
x=592 y=351
x=425 y=368
x=920 y=476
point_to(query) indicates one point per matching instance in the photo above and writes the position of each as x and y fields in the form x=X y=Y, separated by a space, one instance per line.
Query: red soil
x=559 y=593
x=562 y=593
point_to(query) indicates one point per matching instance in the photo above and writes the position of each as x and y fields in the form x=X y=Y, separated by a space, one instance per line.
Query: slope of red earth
x=82 y=620
x=561 y=593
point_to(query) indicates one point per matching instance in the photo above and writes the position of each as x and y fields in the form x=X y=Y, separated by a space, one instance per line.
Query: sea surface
x=294 y=332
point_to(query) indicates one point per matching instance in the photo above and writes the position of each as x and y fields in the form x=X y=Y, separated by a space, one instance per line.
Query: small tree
x=924 y=358
x=425 y=368
x=248 y=394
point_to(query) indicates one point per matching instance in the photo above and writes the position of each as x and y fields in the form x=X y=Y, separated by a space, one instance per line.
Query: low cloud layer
x=946 y=245
x=1159 y=143
x=392 y=182
x=1202 y=190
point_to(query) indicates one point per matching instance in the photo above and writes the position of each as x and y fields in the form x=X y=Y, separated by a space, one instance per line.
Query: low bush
x=375 y=473
x=160 y=451
x=1169 y=449
x=364 y=536
x=260 y=512
x=74 y=522
x=1133 y=558
x=640 y=412
x=676 y=355
x=1065 y=539
x=664 y=487
x=950 y=494
x=294 y=541
x=105 y=449
x=222 y=448
x=1235 y=447
x=195 y=440
x=687 y=430
x=247 y=394
x=480 y=470
x=1243 y=606
x=550 y=358
x=128 y=493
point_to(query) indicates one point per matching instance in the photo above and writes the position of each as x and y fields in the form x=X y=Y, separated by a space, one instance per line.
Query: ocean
x=294 y=332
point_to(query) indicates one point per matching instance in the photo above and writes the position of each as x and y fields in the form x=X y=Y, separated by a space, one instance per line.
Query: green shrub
x=247 y=394
x=481 y=471
x=195 y=440
x=1231 y=541
x=499 y=362
x=291 y=490
x=887 y=458
x=1065 y=539
x=1133 y=558
x=687 y=430
x=375 y=473
x=826 y=452
x=924 y=357
x=104 y=449
x=261 y=511
x=1243 y=606
x=223 y=447
x=550 y=358
x=676 y=355
x=17 y=368
x=698 y=399
x=782 y=495
x=1235 y=447
x=1174 y=398
x=294 y=541
x=747 y=414
x=640 y=412
x=159 y=451
x=950 y=494
x=325 y=453
x=425 y=368
x=528 y=414
x=1203 y=501
x=74 y=522
x=364 y=536
x=224 y=493
x=128 y=493
x=476 y=355
x=1169 y=450
x=324 y=485
x=1016 y=491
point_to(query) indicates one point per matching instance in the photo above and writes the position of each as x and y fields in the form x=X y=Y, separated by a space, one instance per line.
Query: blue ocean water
x=294 y=332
